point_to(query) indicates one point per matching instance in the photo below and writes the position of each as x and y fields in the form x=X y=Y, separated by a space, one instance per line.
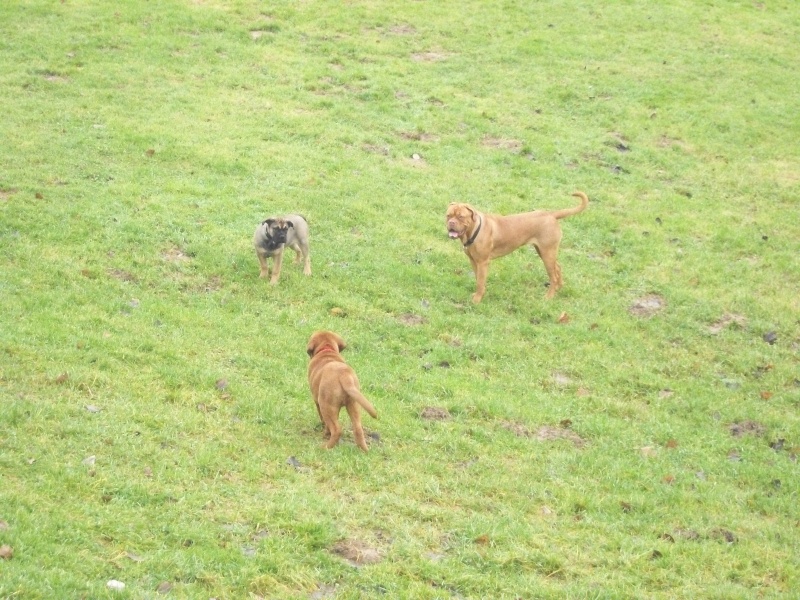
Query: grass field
x=635 y=437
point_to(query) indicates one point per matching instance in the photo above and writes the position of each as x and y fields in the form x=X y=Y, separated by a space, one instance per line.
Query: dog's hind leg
x=326 y=432
x=358 y=430
x=549 y=258
x=336 y=432
x=329 y=413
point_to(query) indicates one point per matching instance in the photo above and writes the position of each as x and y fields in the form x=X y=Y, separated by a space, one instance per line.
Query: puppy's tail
x=356 y=395
x=568 y=212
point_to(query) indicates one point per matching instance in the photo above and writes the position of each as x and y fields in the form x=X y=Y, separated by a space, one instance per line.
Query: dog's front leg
x=262 y=261
x=276 y=267
x=481 y=272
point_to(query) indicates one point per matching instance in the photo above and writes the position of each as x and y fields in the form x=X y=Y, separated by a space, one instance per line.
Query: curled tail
x=352 y=390
x=568 y=212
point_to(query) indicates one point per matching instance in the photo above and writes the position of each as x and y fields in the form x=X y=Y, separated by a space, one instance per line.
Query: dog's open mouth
x=453 y=234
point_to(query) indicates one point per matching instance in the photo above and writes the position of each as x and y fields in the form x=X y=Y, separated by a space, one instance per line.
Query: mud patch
x=647 y=306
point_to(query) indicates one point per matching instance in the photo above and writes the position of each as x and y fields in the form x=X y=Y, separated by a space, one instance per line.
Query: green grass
x=141 y=143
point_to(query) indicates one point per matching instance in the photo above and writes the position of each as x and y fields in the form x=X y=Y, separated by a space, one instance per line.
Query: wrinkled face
x=460 y=218
x=323 y=340
x=277 y=230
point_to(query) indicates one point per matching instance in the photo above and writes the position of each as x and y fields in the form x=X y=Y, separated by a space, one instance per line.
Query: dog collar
x=475 y=235
x=325 y=348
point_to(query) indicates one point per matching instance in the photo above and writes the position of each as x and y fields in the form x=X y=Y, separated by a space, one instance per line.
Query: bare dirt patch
x=411 y=320
x=726 y=321
x=212 y=284
x=122 y=275
x=430 y=56
x=175 y=255
x=666 y=141
x=499 y=143
x=418 y=136
x=402 y=29
x=560 y=379
x=375 y=149
x=747 y=428
x=356 y=552
x=545 y=433
x=647 y=306
x=5 y=194
x=435 y=413
x=620 y=142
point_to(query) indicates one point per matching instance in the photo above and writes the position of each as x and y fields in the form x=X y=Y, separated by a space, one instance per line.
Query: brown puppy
x=486 y=237
x=275 y=234
x=334 y=385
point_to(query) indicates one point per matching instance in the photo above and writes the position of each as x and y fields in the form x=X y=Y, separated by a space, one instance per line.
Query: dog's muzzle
x=276 y=240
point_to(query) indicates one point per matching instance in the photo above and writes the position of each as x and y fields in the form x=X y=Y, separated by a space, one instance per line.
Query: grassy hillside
x=635 y=437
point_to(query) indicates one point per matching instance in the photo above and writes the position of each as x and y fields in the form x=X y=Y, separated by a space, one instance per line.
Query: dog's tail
x=568 y=212
x=356 y=395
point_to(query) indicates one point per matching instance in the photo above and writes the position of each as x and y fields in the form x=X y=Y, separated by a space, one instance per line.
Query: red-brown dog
x=486 y=237
x=334 y=385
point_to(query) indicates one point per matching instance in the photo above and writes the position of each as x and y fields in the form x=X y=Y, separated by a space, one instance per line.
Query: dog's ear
x=269 y=222
x=289 y=224
x=339 y=342
x=312 y=345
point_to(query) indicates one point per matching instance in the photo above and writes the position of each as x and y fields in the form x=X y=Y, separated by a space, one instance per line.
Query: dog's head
x=460 y=218
x=276 y=231
x=324 y=341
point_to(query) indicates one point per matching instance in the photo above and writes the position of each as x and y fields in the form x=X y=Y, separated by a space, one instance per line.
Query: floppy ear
x=339 y=342
x=269 y=222
x=312 y=345
x=289 y=224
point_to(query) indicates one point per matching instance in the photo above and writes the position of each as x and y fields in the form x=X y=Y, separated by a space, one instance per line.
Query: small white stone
x=113 y=584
